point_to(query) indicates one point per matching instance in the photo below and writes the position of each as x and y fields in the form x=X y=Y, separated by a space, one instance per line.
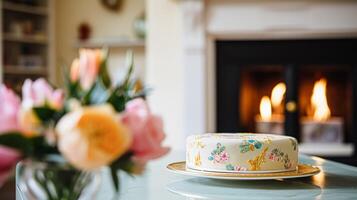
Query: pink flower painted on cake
x=217 y=158
x=224 y=156
x=219 y=155
x=9 y=108
x=147 y=130
x=277 y=155
x=239 y=168
x=231 y=167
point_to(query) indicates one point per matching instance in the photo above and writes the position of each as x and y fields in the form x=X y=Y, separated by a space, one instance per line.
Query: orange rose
x=92 y=137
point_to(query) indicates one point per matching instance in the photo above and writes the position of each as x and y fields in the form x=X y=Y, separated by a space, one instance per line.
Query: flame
x=277 y=94
x=319 y=101
x=265 y=108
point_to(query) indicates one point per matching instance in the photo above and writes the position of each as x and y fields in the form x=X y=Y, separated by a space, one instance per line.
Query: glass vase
x=54 y=179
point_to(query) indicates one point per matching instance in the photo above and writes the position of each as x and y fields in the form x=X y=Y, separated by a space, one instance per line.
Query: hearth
x=315 y=89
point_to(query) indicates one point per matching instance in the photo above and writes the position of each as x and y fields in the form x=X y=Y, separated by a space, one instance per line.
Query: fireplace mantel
x=205 y=21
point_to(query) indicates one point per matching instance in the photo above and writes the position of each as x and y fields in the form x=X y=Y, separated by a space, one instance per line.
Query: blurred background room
x=283 y=67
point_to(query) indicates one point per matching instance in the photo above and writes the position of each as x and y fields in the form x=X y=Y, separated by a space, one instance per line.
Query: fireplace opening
x=303 y=88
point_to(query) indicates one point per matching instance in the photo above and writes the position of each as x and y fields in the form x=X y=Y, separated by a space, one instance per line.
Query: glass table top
x=335 y=181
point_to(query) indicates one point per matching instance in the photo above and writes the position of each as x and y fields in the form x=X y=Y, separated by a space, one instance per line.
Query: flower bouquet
x=64 y=137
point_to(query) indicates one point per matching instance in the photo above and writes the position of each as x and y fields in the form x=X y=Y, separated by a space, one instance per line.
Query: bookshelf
x=27 y=41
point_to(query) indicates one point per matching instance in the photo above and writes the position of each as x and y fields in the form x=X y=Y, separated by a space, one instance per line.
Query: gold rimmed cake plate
x=303 y=170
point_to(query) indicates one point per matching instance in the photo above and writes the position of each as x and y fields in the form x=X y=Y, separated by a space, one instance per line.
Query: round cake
x=241 y=152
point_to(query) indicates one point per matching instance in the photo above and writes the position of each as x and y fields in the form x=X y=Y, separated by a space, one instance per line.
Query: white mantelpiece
x=276 y=19
x=239 y=20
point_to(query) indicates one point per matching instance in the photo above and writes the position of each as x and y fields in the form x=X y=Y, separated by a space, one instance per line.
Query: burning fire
x=277 y=94
x=266 y=104
x=321 y=111
x=265 y=108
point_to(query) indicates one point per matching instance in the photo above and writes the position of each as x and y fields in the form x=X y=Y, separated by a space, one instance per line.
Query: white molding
x=282 y=35
x=280 y=17
x=210 y=72
x=193 y=56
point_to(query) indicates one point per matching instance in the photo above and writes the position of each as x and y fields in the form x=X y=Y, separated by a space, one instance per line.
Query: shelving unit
x=27 y=41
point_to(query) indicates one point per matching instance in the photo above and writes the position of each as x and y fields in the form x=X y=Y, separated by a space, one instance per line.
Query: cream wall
x=163 y=65
x=164 y=70
x=104 y=23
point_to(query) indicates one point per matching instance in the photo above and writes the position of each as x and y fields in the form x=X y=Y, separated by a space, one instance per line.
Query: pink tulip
x=9 y=109
x=147 y=130
x=89 y=65
x=8 y=159
x=39 y=92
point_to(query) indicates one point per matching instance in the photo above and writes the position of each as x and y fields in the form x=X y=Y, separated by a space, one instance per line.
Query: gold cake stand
x=303 y=170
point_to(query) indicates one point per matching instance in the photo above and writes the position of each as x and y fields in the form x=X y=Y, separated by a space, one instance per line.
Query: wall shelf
x=16 y=7
x=25 y=39
x=21 y=70
x=111 y=43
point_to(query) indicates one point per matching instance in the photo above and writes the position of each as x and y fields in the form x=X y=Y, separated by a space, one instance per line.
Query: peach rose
x=147 y=130
x=92 y=137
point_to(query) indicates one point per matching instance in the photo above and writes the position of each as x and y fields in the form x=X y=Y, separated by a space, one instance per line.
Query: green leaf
x=73 y=90
x=123 y=163
x=41 y=148
x=115 y=178
x=35 y=147
x=87 y=96
x=103 y=72
x=44 y=113
x=17 y=141
x=117 y=101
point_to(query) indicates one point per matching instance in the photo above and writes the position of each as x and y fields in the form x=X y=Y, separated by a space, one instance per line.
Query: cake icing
x=241 y=152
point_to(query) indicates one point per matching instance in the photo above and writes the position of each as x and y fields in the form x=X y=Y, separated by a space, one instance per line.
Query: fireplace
x=308 y=73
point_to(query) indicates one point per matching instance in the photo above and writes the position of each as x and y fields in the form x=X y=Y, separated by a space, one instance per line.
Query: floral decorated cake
x=241 y=152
